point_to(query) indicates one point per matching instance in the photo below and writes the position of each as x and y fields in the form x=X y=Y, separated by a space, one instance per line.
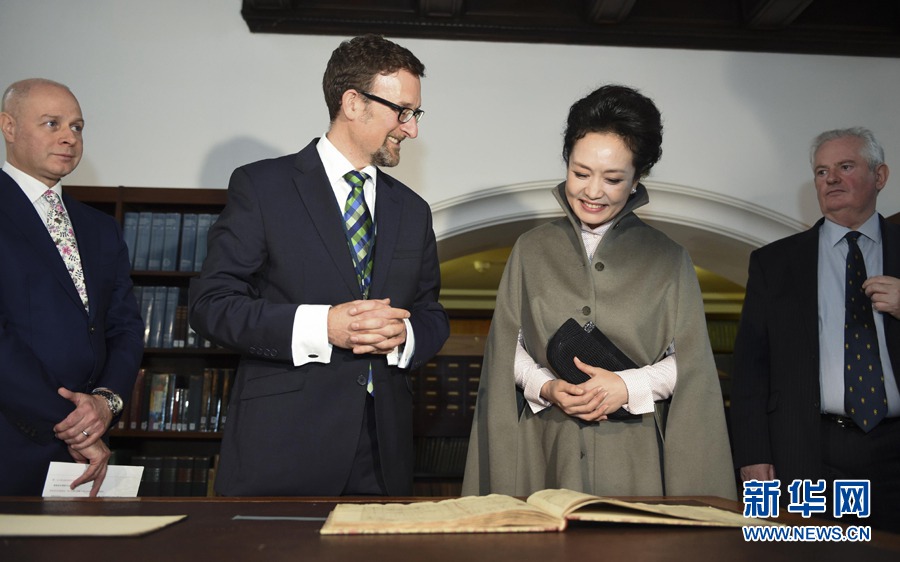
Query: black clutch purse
x=587 y=343
x=592 y=346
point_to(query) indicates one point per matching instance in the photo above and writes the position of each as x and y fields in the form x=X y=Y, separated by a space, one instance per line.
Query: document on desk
x=120 y=482
x=83 y=525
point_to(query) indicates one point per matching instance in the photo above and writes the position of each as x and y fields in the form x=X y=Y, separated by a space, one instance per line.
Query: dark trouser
x=850 y=454
x=365 y=475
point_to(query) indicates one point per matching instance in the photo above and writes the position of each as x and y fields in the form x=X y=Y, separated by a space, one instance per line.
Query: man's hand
x=758 y=472
x=367 y=326
x=97 y=457
x=885 y=294
x=86 y=423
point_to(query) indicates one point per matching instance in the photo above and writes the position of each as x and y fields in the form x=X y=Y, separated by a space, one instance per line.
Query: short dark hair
x=622 y=111
x=356 y=63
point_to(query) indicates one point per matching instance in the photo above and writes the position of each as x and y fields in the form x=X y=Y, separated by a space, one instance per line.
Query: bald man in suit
x=70 y=331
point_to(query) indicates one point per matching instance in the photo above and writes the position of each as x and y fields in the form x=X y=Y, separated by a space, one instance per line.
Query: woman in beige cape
x=601 y=263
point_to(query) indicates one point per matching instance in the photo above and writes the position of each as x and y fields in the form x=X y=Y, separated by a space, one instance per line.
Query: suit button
x=361 y=380
x=586 y=310
x=599 y=266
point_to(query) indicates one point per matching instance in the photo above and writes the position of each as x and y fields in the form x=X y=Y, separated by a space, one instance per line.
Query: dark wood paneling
x=870 y=27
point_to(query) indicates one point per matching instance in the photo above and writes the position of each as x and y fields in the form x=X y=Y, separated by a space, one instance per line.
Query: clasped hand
x=367 y=326
x=591 y=400
x=81 y=431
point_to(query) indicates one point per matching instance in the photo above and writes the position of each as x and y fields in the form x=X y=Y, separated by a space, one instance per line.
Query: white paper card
x=121 y=481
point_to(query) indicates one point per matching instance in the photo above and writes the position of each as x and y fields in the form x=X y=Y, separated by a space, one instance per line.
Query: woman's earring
x=633 y=190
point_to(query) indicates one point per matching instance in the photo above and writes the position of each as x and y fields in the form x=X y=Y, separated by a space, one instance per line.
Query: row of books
x=175 y=476
x=165 y=314
x=172 y=402
x=166 y=241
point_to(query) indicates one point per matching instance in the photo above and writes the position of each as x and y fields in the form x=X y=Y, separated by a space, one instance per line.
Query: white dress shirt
x=833 y=249
x=309 y=339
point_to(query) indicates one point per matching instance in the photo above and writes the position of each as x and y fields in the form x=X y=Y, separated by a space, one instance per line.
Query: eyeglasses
x=404 y=114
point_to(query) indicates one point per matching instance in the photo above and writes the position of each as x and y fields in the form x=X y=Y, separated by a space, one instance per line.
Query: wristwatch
x=113 y=400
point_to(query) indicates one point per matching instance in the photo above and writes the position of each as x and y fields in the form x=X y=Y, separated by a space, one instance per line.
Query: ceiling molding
x=870 y=28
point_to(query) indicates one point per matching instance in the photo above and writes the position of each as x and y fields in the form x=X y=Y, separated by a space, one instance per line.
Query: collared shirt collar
x=336 y=164
x=834 y=232
x=34 y=188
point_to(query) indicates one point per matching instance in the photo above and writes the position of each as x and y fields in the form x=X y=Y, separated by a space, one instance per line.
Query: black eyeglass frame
x=417 y=113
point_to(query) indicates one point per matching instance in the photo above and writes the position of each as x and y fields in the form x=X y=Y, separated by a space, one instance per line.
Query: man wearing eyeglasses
x=322 y=272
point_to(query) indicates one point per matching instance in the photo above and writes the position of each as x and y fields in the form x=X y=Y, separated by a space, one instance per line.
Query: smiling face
x=599 y=178
x=43 y=133
x=846 y=187
x=382 y=132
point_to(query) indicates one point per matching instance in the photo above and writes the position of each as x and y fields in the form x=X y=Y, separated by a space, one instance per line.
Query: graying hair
x=871 y=149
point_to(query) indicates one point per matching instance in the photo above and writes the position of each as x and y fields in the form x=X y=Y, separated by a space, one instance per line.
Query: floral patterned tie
x=64 y=237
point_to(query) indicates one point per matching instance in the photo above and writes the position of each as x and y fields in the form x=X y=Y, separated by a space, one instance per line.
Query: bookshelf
x=179 y=457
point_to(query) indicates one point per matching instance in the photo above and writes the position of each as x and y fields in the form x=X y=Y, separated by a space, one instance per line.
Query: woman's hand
x=576 y=400
x=617 y=392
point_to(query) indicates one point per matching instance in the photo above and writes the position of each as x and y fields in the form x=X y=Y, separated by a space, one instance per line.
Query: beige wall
x=177 y=93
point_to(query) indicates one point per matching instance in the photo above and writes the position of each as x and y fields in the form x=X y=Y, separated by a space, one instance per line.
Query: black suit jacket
x=47 y=340
x=278 y=243
x=775 y=401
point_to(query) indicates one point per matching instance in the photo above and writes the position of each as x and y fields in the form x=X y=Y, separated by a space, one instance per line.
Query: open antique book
x=546 y=510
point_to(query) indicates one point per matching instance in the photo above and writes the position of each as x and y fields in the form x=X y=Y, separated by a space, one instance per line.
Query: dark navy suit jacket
x=48 y=340
x=280 y=242
x=775 y=400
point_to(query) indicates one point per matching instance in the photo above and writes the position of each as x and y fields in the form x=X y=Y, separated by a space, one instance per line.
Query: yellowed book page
x=559 y=502
x=608 y=509
x=492 y=513
x=585 y=507
x=82 y=525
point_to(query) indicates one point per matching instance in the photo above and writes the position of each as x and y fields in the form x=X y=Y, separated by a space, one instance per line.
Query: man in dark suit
x=322 y=403
x=794 y=416
x=70 y=331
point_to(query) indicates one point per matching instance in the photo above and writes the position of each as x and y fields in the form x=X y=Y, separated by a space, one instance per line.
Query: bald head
x=18 y=91
x=41 y=123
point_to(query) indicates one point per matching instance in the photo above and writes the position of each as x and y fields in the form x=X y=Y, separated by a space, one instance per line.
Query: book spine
x=170 y=242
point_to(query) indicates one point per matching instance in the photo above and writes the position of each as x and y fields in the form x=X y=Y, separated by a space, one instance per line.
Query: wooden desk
x=210 y=534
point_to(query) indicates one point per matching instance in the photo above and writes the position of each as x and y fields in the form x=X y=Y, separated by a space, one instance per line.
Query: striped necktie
x=359 y=230
x=360 y=239
x=865 y=399
x=60 y=230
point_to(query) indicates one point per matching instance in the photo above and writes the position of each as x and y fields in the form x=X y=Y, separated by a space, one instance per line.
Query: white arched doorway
x=718 y=231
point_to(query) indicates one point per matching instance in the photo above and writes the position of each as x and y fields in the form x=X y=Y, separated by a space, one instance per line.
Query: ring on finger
x=86 y=434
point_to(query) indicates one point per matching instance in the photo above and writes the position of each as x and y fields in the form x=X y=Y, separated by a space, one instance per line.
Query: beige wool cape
x=641 y=290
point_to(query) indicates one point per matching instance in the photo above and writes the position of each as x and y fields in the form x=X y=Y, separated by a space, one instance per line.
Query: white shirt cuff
x=648 y=384
x=309 y=337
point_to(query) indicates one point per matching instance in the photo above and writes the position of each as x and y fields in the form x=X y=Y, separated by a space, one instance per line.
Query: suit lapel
x=805 y=273
x=20 y=212
x=87 y=238
x=388 y=211
x=317 y=196
x=890 y=247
